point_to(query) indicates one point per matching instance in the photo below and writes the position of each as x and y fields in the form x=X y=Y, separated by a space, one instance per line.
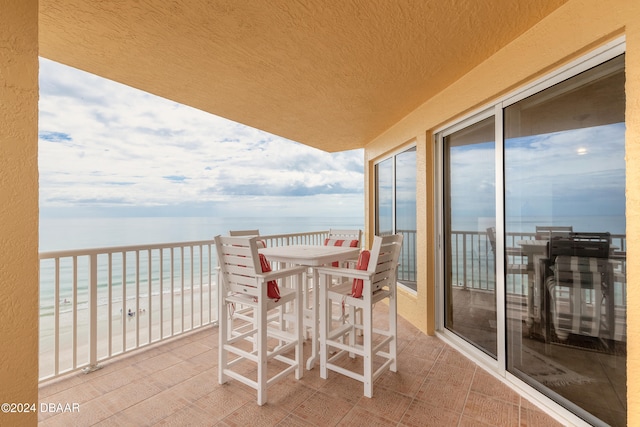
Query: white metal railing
x=474 y=261
x=169 y=289
x=102 y=302
x=99 y=303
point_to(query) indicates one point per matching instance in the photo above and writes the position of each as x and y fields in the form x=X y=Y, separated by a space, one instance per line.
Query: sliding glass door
x=565 y=200
x=470 y=210
x=534 y=237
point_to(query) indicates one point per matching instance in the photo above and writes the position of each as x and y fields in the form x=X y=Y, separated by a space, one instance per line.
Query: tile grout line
x=466 y=398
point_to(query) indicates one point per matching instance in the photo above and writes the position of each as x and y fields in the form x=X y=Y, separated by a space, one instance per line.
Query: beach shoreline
x=149 y=323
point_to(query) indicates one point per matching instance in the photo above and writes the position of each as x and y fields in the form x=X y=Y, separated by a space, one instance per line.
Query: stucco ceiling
x=332 y=74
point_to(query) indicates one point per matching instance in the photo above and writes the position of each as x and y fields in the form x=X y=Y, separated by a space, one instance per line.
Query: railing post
x=464 y=260
x=118 y=278
x=93 y=315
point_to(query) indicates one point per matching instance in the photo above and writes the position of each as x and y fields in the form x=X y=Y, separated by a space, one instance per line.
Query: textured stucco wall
x=314 y=71
x=632 y=30
x=18 y=207
x=572 y=30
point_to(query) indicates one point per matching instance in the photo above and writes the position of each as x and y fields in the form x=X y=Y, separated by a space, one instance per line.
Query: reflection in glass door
x=564 y=154
x=469 y=221
x=561 y=172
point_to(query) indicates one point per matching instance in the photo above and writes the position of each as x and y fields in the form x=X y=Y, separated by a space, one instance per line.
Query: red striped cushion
x=272 y=286
x=358 y=284
x=338 y=242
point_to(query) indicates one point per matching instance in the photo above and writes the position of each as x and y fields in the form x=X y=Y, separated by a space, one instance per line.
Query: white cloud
x=103 y=144
x=565 y=173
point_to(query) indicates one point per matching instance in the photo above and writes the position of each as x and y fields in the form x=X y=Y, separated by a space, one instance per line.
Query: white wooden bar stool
x=240 y=312
x=244 y=281
x=376 y=282
x=349 y=238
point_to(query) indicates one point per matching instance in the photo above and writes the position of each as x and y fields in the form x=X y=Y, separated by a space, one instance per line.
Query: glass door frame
x=477 y=354
x=499 y=366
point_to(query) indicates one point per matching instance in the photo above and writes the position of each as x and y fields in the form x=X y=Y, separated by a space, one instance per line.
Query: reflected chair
x=578 y=287
x=517 y=304
x=547 y=232
x=511 y=267
x=245 y=280
x=581 y=244
x=377 y=347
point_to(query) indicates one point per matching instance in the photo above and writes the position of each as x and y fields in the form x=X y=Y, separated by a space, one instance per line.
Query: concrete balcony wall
x=19 y=208
x=577 y=27
x=570 y=31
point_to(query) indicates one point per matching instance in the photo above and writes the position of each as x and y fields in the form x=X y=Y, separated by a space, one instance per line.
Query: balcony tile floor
x=175 y=384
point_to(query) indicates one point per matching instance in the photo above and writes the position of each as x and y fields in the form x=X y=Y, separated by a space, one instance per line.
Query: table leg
x=530 y=298
x=314 y=322
x=538 y=284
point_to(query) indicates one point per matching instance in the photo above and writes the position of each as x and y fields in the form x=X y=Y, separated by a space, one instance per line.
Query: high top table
x=311 y=256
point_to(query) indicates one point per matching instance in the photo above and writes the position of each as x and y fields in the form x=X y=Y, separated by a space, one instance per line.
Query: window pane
x=470 y=285
x=406 y=215
x=565 y=208
x=384 y=197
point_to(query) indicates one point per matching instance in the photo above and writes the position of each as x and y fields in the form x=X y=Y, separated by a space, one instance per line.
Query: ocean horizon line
x=80 y=233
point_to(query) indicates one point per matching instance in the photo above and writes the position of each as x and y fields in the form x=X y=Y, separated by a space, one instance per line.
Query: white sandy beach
x=187 y=313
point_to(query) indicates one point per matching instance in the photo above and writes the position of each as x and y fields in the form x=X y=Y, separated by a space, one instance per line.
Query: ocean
x=82 y=233
x=57 y=234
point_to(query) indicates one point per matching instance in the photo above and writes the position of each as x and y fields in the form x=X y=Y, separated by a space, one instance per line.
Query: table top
x=310 y=255
x=533 y=247
x=532 y=242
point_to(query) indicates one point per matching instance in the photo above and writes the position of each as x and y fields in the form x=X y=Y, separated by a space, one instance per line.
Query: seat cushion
x=363 y=264
x=338 y=242
x=272 y=286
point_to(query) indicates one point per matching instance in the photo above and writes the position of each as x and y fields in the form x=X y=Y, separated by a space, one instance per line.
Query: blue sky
x=568 y=173
x=106 y=149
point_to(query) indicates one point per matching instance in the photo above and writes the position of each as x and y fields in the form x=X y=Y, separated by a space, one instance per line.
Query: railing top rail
x=155 y=246
x=117 y=249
